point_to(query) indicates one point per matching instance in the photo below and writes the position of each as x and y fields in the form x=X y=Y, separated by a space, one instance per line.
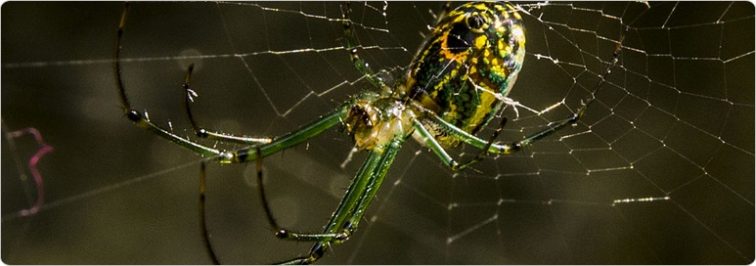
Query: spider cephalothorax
x=373 y=121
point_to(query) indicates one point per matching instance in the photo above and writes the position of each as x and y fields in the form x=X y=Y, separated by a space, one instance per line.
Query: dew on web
x=659 y=170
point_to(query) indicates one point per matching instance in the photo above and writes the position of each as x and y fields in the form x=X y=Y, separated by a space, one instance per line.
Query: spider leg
x=485 y=146
x=358 y=186
x=497 y=148
x=430 y=141
x=378 y=176
x=203 y=215
x=555 y=126
x=484 y=151
x=315 y=254
x=210 y=134
x=251 y=153
x=470 y=139
x=351 y=44
x=357 y=199
x=260 y=151
x=436 y=147
x=141 y=120
x=234 y=156
x=438 y=17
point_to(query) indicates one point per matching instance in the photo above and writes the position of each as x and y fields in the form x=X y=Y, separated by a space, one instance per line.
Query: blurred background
x=660 y=171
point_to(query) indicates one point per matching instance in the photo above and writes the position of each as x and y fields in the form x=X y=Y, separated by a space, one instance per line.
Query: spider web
x=660 y=170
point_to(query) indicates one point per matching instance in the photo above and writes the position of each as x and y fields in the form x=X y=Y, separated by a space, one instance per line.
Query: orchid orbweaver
x=455 y=85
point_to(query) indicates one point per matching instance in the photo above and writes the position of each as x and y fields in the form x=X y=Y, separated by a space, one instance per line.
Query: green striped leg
x=351 y=45
x=380 y=173
x=235 y=156
x=497 y=148
x=353 y=193
x=250 y=153
x=430 y=141
x=253 y=153
x=142 y=120
x=352 y=207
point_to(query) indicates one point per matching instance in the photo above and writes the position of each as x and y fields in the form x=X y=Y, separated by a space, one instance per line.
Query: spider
x=455 y=85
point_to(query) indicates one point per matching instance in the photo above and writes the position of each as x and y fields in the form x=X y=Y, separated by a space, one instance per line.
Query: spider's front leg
x=351 y=45
x=202 y=132
x=142 y=119
x=224 y=156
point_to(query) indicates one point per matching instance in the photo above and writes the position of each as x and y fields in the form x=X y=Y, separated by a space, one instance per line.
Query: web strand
x=664 y=153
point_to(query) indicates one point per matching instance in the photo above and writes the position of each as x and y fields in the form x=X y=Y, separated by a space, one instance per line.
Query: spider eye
x=475 y=22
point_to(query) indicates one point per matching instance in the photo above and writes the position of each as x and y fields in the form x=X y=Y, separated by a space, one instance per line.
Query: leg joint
x=134 y=115
x=201 y=132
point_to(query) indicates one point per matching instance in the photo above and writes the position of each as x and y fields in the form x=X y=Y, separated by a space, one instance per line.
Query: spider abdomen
x=469 y=64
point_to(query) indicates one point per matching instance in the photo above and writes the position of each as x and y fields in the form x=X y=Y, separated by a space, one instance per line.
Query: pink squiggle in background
x=44 y=149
